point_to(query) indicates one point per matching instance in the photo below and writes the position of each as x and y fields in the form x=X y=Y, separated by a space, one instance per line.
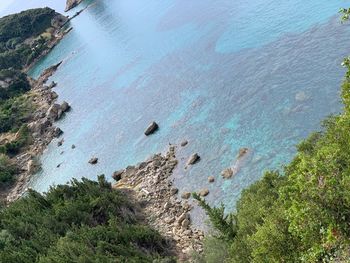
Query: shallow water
x=222 y=74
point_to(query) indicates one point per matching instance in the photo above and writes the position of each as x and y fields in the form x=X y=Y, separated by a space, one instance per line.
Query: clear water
x=222 y=74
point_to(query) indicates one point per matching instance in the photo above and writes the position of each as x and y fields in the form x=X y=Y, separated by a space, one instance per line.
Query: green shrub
x=7 y=171
x=15 y=112
x=83 y=222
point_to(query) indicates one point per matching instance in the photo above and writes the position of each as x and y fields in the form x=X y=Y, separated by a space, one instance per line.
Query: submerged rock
x=153 y=127
x=193 y=159
x=93 y=160
x=227 y=173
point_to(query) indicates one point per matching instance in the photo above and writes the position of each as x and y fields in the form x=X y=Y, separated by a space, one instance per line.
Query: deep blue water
x=222 y=74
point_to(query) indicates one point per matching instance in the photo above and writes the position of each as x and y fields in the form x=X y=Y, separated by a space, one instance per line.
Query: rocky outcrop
x=151 y=185
x=152 y=128
x=71 y=4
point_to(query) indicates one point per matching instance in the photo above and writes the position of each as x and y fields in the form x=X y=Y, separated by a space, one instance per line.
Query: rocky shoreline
x=42 y=130
x=149 y=183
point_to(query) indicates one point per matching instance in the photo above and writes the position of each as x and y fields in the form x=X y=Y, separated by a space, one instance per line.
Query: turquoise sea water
x=222 y=74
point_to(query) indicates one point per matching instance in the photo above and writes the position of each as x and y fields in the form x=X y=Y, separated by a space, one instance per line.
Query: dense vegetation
x=15 y=29
x=301 y=214
x=23 y=37
x=84 y=222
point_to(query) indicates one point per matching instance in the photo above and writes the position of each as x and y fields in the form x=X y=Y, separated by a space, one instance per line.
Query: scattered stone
x=60 y=142
x=117 y=175
x=184 y=143
x=151 y=128
x=227 y=173
x=211 y=179
x=93 y=160
x=203 y=192
x=73 y=146
x=193 y=159
x=185 y=195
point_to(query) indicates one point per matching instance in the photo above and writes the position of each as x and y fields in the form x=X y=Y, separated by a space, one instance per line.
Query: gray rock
x=57 y=132
x=93 y=160
x=65 y=106
x=193 y=159
x=151 y=128
x=117 y=175
x=73 y=146
x=60 y=142
x=184 y=143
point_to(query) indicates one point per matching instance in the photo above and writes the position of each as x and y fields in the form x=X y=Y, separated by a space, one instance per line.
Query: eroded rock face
x=71 y=4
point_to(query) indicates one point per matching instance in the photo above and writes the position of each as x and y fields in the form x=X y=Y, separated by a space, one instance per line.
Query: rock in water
x=193 y=159
x=117 y=175
x=65 y=106
x=211 y=179
x=151 y=128
x=184 y=143
x=227 y=173
x=186 y=195
x=203 y=192
x=93 y=160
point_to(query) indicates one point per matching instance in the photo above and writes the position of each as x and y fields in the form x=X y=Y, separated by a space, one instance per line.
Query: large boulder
x=152 y=128
x=93 y=160
x=65 y=106
x=193 y=159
